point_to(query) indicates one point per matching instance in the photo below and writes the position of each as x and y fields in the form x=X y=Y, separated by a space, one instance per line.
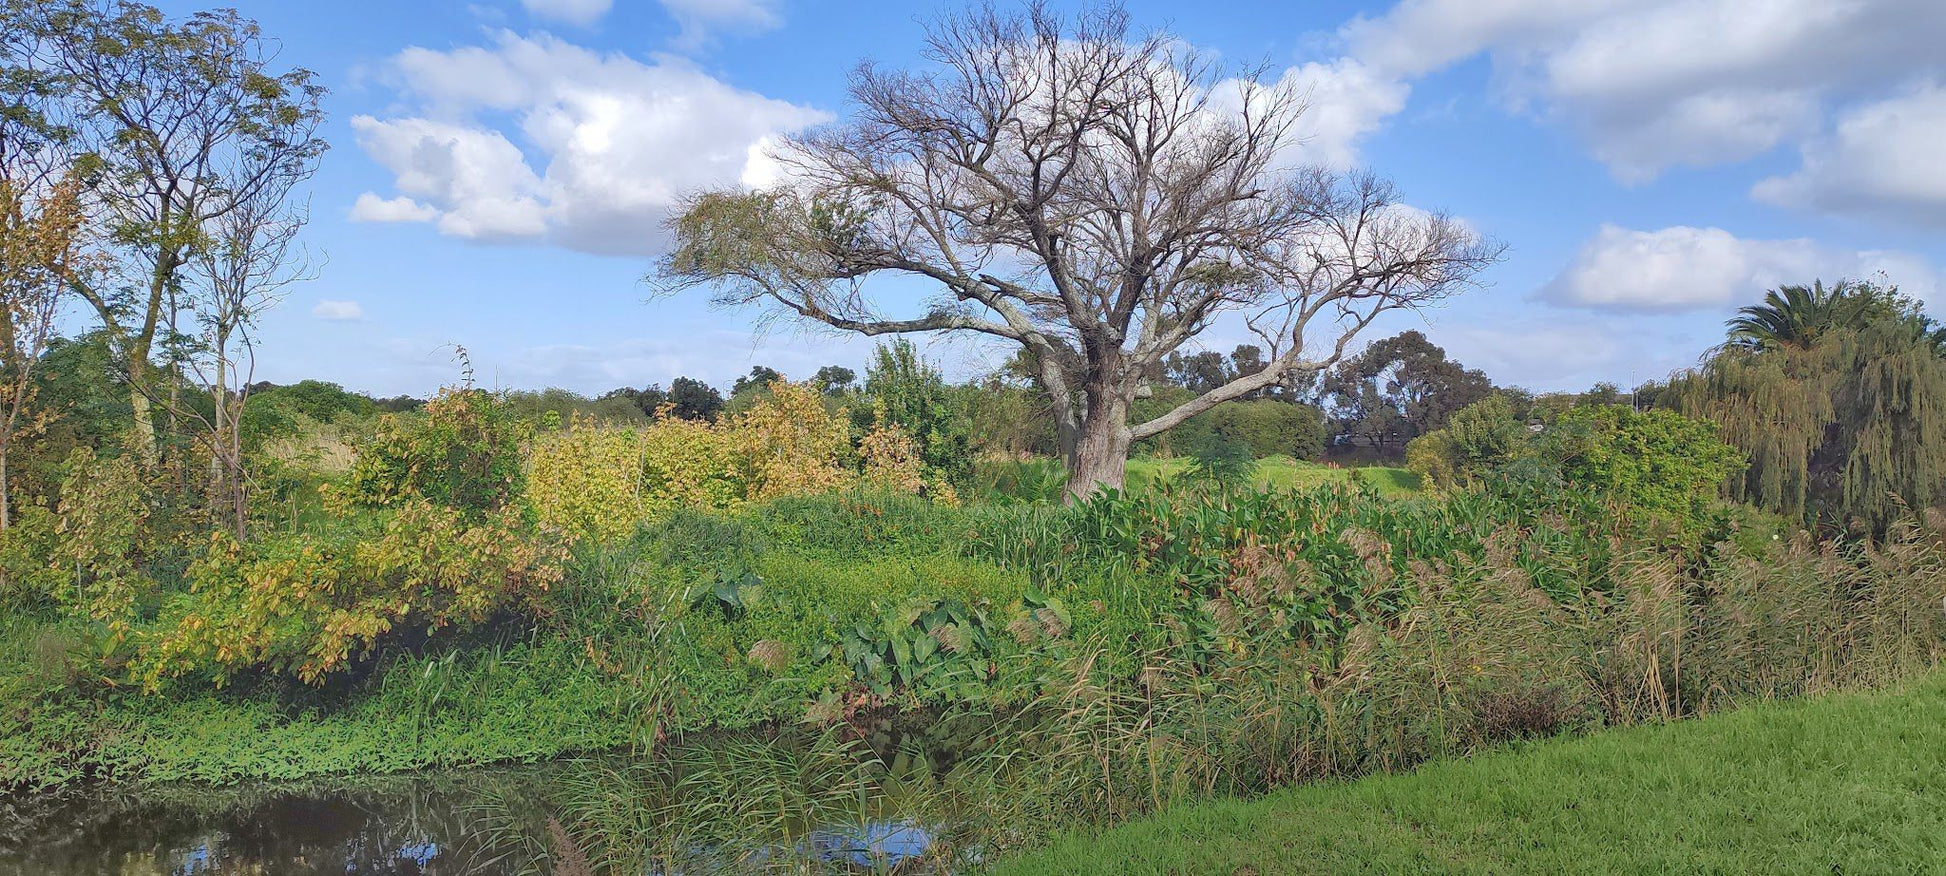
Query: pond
x=817 y=802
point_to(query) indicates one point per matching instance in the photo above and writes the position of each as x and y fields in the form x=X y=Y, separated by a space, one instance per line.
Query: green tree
x=914 y=394
x=1842 y=415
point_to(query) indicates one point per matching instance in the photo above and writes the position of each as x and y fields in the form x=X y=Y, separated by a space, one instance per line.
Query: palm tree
x=1796 y=316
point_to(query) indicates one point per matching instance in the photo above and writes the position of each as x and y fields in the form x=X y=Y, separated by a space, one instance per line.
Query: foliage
x=463 y=451
x=1659 y=462
x=311 y=606
x=1479 y=439
x=789 y=444
x=906 y=390
x=1843 y=423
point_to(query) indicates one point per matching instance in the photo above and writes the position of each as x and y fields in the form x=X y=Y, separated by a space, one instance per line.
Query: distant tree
x=1197 y=372
x=1398 y=389
x=833 y=379
x=1096 y=196
x=759 y=378
x=694 y=399
x=645 y=400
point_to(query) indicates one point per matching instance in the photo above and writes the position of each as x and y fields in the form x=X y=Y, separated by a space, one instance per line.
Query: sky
x=501 y=170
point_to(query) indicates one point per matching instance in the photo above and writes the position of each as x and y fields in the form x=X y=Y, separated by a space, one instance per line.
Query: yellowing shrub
x=602 y=482
x=792 y=445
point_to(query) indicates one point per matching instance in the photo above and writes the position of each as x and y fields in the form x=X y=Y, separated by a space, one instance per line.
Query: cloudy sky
x=501 y=169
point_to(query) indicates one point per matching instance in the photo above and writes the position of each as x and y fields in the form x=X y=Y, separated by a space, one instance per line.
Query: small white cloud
x=1886 y=159
x=372 y=208
x=702 y=19
x=581 y=12
x=338 y=311
x=1684 y=268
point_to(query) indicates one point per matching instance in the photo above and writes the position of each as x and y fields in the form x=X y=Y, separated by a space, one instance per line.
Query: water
x=707 y=808
x=426 y=824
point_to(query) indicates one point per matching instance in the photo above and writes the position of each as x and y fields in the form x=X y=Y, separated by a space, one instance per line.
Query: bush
x=462 y=452
x=1660 y=462
x=1271 y=428
x=308 y=606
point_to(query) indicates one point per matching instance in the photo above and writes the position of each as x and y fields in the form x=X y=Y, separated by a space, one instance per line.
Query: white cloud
x=338 y=311
x=1685 y=268
x=1346 y=101
x=607 y=143
x=1885 y=159
x=1654 y=84
x=700 y=19
x=581 y=12
x=372 y=208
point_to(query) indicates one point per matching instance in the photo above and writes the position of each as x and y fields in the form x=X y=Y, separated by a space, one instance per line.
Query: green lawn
x=1842 y=784
x=1282 y=472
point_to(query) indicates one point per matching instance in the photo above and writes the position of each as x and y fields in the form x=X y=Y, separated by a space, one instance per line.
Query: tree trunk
x=1099 y=458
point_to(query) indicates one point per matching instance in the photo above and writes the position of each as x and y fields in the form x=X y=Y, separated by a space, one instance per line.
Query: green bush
x=462 y=451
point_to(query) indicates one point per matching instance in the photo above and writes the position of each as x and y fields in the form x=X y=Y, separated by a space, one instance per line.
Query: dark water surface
x=710 y=807
x=480 y=822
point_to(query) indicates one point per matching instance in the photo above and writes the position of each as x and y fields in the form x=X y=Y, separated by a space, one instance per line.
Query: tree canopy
x=1096 y=196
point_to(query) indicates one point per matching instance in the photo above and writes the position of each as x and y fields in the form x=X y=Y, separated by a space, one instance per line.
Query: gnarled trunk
x=1099 y=456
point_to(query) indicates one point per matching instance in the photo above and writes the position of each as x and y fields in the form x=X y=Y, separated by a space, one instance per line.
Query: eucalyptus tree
x=1095 y=196
x=177 y=123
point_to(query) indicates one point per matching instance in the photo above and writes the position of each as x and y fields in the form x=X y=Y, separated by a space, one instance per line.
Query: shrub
x=1272 y=428
x=1660 y=462
x=463 y=452
x=308 y=606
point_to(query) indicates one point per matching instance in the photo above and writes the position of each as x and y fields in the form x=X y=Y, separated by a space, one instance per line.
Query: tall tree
x=250 y=255
x=180 y=121
x=1843 y=417
x=1096 y=196
x=1400 y=388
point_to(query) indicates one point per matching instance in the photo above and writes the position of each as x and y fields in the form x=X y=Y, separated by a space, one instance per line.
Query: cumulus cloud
x=603 y=146
x=581 y=12
x=1345 y=101
x=1684 y=268
x=338 y=311
x=1654 y=84
x=1885 y=159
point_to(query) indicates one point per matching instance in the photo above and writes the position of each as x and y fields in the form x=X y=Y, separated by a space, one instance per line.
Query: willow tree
x=1843 y=417
x=1097 y=197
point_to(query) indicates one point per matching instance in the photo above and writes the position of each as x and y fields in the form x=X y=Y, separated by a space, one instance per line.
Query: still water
x=550 y=819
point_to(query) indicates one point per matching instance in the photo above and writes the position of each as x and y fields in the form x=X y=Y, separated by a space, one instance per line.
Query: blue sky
x=500 y=168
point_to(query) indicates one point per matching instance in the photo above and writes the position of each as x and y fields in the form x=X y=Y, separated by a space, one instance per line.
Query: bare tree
x=250 y=257
x=178 y=122
x=1097 y=197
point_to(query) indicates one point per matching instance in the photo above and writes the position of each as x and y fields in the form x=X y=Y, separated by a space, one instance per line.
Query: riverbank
x=1850 y=782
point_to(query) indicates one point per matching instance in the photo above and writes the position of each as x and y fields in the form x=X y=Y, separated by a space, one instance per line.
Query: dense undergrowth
x=1099 y=661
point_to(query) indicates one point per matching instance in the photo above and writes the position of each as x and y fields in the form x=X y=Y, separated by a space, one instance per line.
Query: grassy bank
x=1842 y=783
x=1282 y=473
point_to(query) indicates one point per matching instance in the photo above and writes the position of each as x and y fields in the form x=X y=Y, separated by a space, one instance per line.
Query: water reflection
x=801 y=802
x=402 y=826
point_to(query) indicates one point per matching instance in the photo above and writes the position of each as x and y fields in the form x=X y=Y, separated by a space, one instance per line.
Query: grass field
x=1848 y=783
x=1282 y=472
